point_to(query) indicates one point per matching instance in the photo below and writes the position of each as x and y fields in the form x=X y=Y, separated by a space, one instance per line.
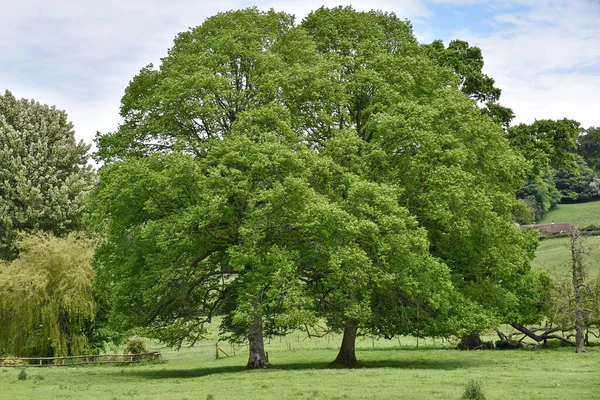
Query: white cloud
x=546 y=60
x=80 y=54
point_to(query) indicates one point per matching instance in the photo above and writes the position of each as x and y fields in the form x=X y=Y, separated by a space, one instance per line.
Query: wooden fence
x=73 y=360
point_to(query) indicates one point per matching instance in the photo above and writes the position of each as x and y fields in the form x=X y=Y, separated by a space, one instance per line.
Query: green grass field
x=391 y=373
x=580 y=214
x=553 y=255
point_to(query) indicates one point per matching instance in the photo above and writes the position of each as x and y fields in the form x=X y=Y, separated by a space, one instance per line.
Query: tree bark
x=577 y=254
x=346 y=358
x=256 y=346
x=471 y=342
x=505 y=342
x=536 y=337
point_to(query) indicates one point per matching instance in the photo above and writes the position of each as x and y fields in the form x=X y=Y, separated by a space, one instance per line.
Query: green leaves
x=236 y=63
x=332 y=170
x=46 y=296
x=43 y=172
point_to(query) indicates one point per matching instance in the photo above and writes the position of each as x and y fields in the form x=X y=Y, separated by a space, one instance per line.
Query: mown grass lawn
x=391 y=373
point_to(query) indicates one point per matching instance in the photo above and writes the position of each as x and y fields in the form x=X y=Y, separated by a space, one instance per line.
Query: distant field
x=554 y=255
x=580 y=215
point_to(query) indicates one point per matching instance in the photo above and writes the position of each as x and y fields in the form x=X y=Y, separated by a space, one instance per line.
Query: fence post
x=217 y=350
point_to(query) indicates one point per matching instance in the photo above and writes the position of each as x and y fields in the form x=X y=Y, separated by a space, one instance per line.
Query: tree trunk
x=577 y=255
x=471 y=342
x=346 y=358
x=256 y=346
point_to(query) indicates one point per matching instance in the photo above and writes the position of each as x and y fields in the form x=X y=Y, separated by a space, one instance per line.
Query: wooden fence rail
x=72 y=360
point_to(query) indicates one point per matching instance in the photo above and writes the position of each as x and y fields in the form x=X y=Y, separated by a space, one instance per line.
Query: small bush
x=10 y=360
x=135 y=346
x=23 y=375
x=473 y=391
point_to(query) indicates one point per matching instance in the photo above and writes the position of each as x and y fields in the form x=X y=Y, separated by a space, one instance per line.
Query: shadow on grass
x=399 y=364
x=425 y=364
x=184 y=373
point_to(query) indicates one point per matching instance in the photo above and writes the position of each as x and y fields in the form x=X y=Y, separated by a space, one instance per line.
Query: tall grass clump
x=473 y=391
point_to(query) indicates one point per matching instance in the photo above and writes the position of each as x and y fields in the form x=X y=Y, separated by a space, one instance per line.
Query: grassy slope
x=580 y=214
x=394 y=373
x=554 y=255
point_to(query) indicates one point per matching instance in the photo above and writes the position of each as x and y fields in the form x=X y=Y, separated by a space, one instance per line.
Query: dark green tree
x=43 y=172
x=467 y=63
x=547 y=143
x=548 y=146
x=579 y=185
x=588 y=146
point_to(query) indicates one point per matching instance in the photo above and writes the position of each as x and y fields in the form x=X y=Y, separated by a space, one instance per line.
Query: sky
x=79 y=55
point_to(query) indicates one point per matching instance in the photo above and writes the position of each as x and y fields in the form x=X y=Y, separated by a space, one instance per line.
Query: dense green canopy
x=285 y=173
x=414 y=128
x=43 y=172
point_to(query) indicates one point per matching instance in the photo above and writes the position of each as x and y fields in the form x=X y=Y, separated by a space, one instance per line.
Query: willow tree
x=46 y=297
x=43 y=172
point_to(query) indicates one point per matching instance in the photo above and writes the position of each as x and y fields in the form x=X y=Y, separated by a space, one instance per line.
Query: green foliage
x=548 y=146
x=409 y=126
x=547 y=143
x=135 y=346
x=246 y=68
x=331 y=170
x=579 y=185
x=588 y=146
x=43 y=172
x=235 y=227
x=473 y=391
x=539 y=196
x=467 y=63
x=46 y=298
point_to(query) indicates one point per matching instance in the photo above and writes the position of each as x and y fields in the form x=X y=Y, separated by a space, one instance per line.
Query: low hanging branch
x=539 y=338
